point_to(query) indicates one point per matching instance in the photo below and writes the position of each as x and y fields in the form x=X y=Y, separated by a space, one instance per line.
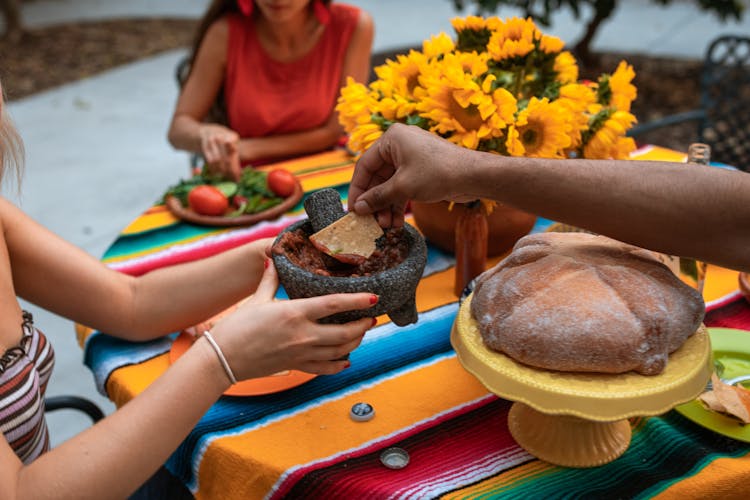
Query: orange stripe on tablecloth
x=327 y=429
x=127 y=382
x=725 y=478
x=720 y=282
x=437 y=289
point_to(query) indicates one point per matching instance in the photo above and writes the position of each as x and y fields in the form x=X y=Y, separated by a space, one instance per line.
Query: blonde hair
x=11 y=147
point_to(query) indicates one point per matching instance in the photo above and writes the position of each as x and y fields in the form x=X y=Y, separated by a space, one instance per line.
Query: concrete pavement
x=97 y=154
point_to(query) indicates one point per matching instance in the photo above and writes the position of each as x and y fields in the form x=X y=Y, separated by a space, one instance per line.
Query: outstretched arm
x=136 y=308
x=115 y=456
x=686 y=210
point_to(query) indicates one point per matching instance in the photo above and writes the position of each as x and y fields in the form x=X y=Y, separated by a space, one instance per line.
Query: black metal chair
x=723 y=115
x=55 y=403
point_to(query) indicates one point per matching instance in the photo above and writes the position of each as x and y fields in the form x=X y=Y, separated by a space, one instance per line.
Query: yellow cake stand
x=579 y=419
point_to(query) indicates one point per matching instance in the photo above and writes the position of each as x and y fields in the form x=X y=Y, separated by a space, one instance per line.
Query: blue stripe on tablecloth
x=103 y=354
x=387 y=351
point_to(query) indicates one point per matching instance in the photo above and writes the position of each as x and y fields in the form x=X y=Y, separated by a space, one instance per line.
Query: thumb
x=375 y=199
x=268 y=285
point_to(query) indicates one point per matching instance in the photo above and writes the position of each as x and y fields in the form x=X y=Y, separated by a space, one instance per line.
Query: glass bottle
x=471 y=244
x=694 y=270
x=699 y=153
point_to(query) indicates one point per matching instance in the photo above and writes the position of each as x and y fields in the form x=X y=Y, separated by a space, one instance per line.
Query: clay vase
x=506 y=225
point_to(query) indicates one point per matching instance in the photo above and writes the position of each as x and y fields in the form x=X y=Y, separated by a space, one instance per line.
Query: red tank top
x=267 y=97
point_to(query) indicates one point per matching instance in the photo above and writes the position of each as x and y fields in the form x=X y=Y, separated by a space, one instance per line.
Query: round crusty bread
x=585 y=303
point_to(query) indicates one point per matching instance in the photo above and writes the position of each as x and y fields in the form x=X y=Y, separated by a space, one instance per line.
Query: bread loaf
x=585 y=303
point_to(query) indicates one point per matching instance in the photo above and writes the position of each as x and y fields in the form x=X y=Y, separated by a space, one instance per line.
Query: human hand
x=265 y=336
x=406 y=163
x=219 y=145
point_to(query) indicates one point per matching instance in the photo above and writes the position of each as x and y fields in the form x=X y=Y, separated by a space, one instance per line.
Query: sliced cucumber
x=228 y=188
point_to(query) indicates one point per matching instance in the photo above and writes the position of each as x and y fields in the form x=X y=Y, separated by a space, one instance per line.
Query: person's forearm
x=674 y=208
x=184 y=133
x=115 y=456
x=176 y=297
x=298 y=143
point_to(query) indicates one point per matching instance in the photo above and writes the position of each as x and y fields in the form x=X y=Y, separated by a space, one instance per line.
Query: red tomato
x=207 y=200
x=238 y=200
x=281 y=182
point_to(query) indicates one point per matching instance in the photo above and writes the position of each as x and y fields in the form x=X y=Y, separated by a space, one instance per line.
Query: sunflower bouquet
x=501 y=86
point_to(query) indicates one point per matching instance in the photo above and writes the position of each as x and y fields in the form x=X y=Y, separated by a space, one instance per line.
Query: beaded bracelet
x=220 y=355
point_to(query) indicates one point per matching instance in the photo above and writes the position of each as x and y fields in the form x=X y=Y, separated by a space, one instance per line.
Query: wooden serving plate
x=185 y=213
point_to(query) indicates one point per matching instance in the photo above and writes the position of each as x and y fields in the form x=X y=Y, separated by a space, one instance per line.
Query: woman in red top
x=280 y=65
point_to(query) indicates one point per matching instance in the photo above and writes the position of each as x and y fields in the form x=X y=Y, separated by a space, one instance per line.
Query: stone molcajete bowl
x=396 y=287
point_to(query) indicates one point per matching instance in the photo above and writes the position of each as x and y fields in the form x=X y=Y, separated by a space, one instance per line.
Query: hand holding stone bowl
x=392 y=272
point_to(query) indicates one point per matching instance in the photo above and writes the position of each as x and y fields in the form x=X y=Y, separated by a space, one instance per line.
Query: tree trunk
x=12 y=14
x=602 y=10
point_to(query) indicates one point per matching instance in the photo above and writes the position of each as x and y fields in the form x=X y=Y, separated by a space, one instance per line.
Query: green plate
x=732 y=348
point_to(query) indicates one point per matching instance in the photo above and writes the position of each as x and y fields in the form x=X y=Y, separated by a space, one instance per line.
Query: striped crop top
x=24 y=372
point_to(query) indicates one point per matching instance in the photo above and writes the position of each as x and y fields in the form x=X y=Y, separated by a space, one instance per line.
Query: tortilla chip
x=728 y=399
x=350 y=239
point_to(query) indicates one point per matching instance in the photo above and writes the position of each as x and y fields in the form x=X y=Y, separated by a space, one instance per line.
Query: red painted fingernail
x=347 y=365
x=373 y=299
x=266 y=263
x=374 y=321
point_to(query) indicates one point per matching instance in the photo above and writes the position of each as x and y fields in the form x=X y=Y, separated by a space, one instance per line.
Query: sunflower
x=364 y=135
x=623 y=92
x=514 y=38
x=500 y=86
x=566 y=68
x=355 y=105
x=471 y=23
x=401 y=76
x=550 y=44
x=459 y=108
x=541 y=130
x=576 y=98
x=605 y=139
x=438 y=45
x=395 y=108
x=474 y=32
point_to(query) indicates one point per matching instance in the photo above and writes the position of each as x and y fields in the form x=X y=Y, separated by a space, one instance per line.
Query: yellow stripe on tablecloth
x=657 y=153
x=496 y=485
x=260 y=456
x=332 y=178
x=725 y=478
x=82 y=333
x=304 y=164
x=155 y=217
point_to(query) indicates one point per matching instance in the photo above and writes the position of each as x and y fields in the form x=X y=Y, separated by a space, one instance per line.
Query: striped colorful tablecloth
x=301 y=443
